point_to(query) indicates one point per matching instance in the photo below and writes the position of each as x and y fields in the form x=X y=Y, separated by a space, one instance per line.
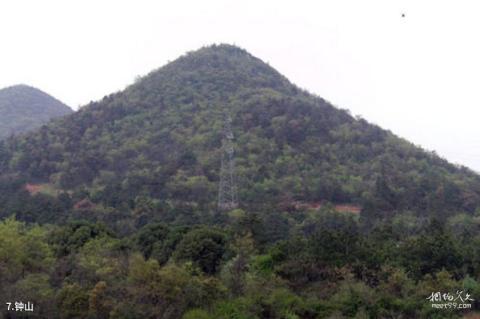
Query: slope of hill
x=339 y=218
x=24 y=108
x=160 y=139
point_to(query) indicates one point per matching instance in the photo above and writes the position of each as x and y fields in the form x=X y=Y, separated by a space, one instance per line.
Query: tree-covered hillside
x=160 y=140
x=111 y=212
x=24 y=108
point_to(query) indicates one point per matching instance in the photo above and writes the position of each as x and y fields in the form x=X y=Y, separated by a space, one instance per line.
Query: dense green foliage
x=154 y=150
x=115 y=206
x=23 y=109
x=84 y=270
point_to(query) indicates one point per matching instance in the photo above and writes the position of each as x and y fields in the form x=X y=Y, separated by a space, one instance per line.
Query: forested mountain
x=160 y=139
x=24 y=108
x=338 y=218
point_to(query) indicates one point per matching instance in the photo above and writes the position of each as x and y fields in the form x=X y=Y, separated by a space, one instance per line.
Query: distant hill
x=158 y=142
x=24 y=108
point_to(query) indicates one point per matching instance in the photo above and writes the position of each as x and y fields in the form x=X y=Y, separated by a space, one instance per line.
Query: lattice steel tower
x=227 y=190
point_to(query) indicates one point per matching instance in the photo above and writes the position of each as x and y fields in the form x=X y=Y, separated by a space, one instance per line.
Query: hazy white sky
x=417 y=76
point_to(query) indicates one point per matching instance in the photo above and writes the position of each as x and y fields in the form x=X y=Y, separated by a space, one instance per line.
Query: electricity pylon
x=227 y=190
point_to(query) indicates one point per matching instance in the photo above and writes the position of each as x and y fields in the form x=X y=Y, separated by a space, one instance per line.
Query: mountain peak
x=162 y=138
x=22 y=87
x=216 y=53
x=224 y=67
x=224 y=48
x=24 y=108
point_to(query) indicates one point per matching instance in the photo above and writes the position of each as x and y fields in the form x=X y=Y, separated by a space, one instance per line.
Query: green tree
x=204 y=247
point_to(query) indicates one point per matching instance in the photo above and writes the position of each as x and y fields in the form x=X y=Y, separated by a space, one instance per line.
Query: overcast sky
x=416 y=75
